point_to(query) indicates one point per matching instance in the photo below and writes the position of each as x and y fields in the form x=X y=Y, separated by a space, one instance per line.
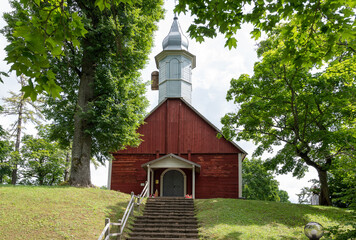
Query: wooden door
x=173 y=184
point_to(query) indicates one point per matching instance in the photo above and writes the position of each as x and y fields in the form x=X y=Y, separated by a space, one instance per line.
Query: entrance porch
x=171 y=176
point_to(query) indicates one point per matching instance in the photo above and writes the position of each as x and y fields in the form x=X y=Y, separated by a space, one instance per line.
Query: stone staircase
x=166 y=218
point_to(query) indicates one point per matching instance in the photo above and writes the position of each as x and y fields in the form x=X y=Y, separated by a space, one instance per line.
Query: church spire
x=175 y=40
x=175 y=64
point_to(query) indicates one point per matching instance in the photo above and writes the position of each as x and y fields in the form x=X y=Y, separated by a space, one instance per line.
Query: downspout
x=240 y=157
x=109 y=174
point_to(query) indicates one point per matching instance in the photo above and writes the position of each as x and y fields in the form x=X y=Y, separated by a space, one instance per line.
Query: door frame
x=184 y=177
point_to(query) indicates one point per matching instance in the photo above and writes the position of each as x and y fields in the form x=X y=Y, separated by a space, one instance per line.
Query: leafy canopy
x=6 y=147
x=120 y=44
x=44 y=161
x=40 y=31
x=259 y=183
x=312 y=115
x=335 y=19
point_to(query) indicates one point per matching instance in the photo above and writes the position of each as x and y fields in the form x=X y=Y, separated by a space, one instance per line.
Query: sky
x=215 y=67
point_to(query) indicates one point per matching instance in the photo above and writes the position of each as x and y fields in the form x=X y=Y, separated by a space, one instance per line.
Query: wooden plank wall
x=175 y=128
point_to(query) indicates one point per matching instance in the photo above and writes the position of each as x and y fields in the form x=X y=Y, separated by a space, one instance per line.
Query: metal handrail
x=126 y=214
x=135 y=200
x=144 y=190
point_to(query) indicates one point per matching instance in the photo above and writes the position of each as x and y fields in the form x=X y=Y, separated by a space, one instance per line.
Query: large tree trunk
x=324 y=198
x=18 y=140
x=66 y=170
x=82 y=141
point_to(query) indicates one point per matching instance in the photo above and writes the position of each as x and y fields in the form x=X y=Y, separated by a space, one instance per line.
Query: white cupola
x=175 y=66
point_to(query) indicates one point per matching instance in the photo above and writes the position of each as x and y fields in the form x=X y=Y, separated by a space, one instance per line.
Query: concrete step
x=149 y=238
x=166 y=225
x=164 y=235
x=165 y=217
x=168 y=200
x=163 y=229
x=185 y=208
x=168 y=213
x=169 y=204
x=164 y=221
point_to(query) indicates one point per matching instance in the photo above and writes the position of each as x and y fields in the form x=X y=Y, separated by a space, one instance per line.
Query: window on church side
x=174 y=69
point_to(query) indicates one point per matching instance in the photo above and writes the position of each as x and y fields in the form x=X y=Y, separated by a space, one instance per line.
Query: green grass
x=245 y=219
x=79 y=213
x=57 y=212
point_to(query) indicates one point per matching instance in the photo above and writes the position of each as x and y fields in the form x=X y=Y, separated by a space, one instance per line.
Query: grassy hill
x=57 y=212
x=245 y=219
x=79 y=213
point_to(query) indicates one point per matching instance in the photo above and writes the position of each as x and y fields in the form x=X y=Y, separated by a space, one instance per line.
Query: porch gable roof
x=171 y=161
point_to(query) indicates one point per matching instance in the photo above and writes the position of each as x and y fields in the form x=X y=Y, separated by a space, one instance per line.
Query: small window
x=174 y=69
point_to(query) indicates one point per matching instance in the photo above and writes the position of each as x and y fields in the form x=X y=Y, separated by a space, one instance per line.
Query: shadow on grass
x=246 y=219
x=232 y=235
x=245 y=212
x=116 y=213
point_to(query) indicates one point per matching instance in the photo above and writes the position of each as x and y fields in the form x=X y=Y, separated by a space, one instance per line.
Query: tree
x=311 y=115
x=5 y=149
x=25 y=110
x=333 y=19
x=307 y=34
x=342 y=181
x=306 y=193
x=44 y=161
x=259 y=183
x=93 y=52
x=283 y=196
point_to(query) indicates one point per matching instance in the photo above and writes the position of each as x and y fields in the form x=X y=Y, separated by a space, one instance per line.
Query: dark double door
x=173 y=184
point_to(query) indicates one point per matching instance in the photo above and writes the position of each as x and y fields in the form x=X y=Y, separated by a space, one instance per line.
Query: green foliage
x=259 y=183
x=334 y=20
x=342 y=181
x=5 y=149
x=119 y=47
x=4 y=74
x=311 y=115
x=41 y=30
x=339 y=232
x=38 y=31
x=25 y=111
x=283 y=196
x=93 y=51
x=44 y=161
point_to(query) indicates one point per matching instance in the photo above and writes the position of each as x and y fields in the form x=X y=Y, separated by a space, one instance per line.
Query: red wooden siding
x=176 y=128
x=127 y=173
x=218 y=176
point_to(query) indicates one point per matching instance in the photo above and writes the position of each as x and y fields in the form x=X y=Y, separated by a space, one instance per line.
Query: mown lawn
x=79 y=213
x=57 y=212
x=245 y=219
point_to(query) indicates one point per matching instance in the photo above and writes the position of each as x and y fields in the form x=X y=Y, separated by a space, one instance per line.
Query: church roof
x=175 y=40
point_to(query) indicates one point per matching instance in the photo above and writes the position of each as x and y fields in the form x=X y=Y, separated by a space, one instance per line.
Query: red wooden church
x=180 y=153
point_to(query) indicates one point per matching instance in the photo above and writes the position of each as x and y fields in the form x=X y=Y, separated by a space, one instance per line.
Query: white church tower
x=175 y=65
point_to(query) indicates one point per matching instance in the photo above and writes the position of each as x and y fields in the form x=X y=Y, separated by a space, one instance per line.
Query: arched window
x=174 y=69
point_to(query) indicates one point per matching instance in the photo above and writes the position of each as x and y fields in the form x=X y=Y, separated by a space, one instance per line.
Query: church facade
x=180 y=153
